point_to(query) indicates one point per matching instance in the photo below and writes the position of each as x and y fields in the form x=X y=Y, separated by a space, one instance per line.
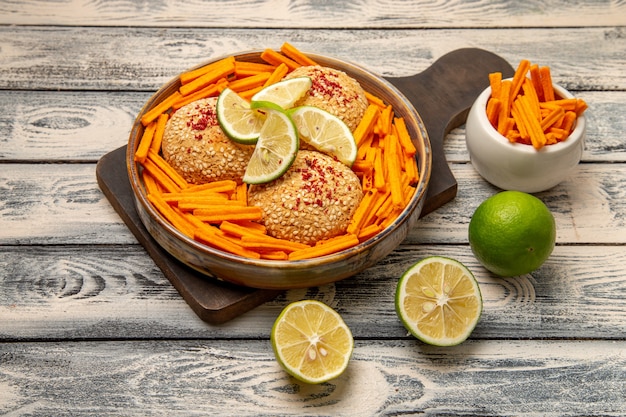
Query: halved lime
x=284 y=93
x=438 y=300
x=311 y=341
x=237 y=119
x=275 y=149
x=325 y=132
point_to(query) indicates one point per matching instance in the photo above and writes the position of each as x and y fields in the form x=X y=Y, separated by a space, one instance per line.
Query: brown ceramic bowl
x=269 y=274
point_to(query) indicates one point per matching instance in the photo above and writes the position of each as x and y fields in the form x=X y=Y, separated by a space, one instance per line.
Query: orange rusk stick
x=162 y=107
x=152 y=187
x=364 y=207
x=220 y=71
x=239 y=230
x=265 y=243
x=529 y=91
x=171 y=215
x=167 y=169
x=555 y=116
x=158 y=133
x=295 y=54
x=405 y=138
x=366 y=124
x=160 y=177
x=493 y=110
x=208 y=91
x=374 y=100
x=369 y=231
x=495 y=82
x=144 y=144
x=518 y=80
x=198 y=203
x=245 y=69
x=275 y=58
x=199 y=198
x=535 y=77
x=212 y=238
x=546 y=83
x=321 y=249
x=247 y=83
x=392 y=160
x=191 y=75
x=221 y=186
x=230 y=213
x=504 y=110
x=279 y=72
x=533 y=127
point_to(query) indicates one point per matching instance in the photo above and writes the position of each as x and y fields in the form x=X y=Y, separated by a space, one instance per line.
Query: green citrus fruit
x=237 y=119
x=311 y=341
x=512 y=233
x=438 y=300
x=284 y=93
x=325 y=132
x=275 y=150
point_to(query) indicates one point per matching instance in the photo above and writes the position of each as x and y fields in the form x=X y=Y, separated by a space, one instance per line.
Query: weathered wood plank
x=197 y=377
x=295 y=14
x=83 y=292
x=62 y=204
x=84 y=125
x=145 y=58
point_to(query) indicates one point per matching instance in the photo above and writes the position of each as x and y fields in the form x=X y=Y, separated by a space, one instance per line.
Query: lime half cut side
x=311 y=341
x=439 y=302
x=325 y=132
x=237 y=119
x=275 y=150
x=284 y=93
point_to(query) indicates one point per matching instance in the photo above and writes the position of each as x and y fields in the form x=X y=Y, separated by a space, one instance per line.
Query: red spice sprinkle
x=207 y=118
x=323 y=85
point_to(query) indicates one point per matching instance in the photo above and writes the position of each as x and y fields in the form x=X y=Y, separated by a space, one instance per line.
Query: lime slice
x=438 y=300
x=311 y=341
x=262 y=104
x=275 y=149
x=284 y=93
x=325 y=132
x=240 y=122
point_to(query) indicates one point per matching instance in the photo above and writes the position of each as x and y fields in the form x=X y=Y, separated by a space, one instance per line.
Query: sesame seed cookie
x=314 y=200
x=334 y=91
x=197 y=148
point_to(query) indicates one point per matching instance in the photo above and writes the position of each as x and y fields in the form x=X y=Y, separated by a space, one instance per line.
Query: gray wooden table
x=90 y=326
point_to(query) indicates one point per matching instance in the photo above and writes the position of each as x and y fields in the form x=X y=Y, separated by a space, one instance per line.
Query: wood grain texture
x=312 y=14
x=62 y=204
x=117 y=292
x=90 y=326
x=196 y=377
x=72 y=126
x=117 y=59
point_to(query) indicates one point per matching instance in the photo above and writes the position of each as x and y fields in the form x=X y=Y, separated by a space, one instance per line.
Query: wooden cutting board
x=442 y=95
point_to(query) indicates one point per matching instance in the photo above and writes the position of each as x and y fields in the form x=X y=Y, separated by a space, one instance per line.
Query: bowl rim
x=424 y=161
x=572 y=140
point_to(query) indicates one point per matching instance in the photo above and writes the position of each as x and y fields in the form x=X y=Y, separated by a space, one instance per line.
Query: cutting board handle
x=443 y=95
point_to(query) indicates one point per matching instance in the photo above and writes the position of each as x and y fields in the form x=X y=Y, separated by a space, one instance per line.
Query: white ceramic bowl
x=515 y=166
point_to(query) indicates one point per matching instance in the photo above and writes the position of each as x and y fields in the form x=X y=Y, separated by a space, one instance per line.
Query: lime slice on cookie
x=283 y=93
x=237 y=119
x=275 y=149
x=325 y=132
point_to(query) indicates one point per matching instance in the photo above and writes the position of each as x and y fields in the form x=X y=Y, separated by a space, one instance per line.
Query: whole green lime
x=512 y=233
